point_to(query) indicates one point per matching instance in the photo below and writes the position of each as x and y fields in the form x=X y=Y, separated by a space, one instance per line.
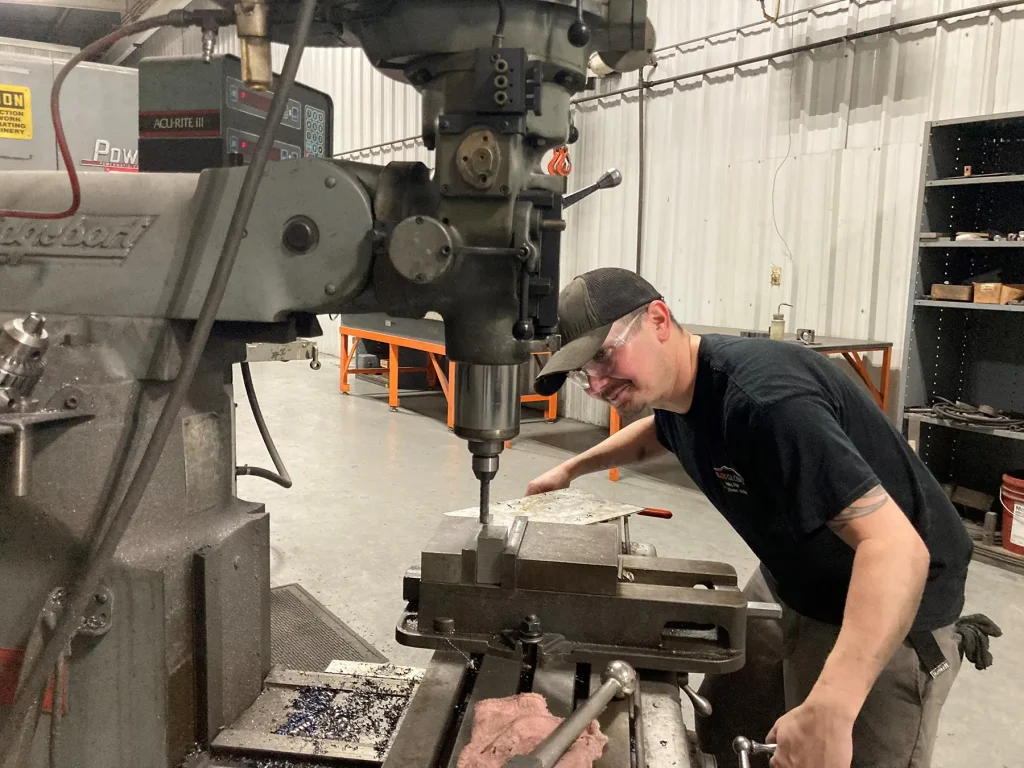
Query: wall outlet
x=776 y=275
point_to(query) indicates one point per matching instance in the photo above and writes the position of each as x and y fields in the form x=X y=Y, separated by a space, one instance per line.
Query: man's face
x=630 y=372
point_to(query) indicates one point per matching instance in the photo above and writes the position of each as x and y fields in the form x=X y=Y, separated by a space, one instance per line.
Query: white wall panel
x=845 y=122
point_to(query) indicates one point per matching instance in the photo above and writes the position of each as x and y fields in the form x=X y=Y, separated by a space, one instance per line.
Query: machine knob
x=624 y=675
x=744 y=748
x=301 y=235
x=522 y=330
x=579 y=34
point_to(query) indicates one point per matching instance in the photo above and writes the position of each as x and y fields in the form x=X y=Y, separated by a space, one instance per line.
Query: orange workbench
x=851 y=349
x=435 y=373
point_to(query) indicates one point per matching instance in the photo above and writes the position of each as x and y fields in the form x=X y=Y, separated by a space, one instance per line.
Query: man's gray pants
x=897 y=726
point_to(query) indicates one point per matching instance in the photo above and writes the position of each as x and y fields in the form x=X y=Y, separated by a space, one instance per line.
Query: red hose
x=58 y=126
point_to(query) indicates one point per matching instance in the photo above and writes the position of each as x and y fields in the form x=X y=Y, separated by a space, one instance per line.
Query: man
x=856 y=538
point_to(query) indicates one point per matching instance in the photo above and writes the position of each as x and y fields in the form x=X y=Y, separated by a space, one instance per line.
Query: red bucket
x=1011 y=497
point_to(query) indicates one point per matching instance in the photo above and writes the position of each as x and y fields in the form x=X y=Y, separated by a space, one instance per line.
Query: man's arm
x=890 y=567
x=629 y=445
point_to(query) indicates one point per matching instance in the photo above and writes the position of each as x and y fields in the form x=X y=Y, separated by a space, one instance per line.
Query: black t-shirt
x=780 y=440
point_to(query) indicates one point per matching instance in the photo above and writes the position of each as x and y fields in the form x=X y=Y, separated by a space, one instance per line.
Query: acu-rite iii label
x=15 y=112
x=97 y=237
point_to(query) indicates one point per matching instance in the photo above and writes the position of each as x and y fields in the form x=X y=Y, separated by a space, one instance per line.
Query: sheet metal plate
x=566 y=506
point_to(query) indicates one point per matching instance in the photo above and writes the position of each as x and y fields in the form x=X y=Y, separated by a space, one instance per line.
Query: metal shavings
x=367 y=715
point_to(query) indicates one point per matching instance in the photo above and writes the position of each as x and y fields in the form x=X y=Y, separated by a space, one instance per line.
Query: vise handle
x=744 y=747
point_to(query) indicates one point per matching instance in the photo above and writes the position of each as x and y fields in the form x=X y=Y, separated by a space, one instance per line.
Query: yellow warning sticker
x=15 y=112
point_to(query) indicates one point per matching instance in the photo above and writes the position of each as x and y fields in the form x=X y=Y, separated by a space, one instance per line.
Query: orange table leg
x=451 y=395
x=551 y=414
x=393 y=371
x=886 y=372
x=346 y=360
x=854 y=359
x=614 y=425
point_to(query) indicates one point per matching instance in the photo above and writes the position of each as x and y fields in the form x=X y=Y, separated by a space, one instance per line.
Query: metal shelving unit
x=963 y=351
x=968 y=305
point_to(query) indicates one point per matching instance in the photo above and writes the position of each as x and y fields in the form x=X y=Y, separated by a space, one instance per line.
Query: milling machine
x=131 y=569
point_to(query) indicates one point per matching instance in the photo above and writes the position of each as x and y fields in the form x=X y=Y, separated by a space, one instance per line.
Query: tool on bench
x=618 y=681
x=744 y=747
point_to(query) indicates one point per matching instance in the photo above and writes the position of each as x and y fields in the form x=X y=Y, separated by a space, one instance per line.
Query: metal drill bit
x=485 y=502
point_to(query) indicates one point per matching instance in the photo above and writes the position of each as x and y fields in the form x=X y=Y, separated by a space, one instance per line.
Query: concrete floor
x=371 y=485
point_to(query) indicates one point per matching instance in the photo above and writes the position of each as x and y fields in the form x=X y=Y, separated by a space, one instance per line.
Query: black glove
x=974 y=631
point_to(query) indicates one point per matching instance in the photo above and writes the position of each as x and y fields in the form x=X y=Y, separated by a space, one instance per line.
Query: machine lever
x=744 y=747
x=700 y=704
x=610 y=178
x=618 y=681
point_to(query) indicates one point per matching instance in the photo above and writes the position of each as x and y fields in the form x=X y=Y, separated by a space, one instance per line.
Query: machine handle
x=610 y=178
x=619 y=680
x=664 y=514
x=744 y=747
x=701 y=705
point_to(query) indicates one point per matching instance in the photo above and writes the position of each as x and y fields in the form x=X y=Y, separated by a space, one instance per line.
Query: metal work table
x=850 y=349
x=438 y=724
x=423 y=335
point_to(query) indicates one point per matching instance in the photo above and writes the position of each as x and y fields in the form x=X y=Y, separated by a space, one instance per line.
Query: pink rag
x=515 y=725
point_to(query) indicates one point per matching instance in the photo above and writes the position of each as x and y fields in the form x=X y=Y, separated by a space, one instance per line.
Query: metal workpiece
x=744 y=748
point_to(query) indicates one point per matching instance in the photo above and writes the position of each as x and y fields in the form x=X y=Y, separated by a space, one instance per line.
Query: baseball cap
x=587 y=309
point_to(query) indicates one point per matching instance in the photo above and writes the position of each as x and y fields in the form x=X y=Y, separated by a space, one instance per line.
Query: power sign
x=112 y=158
x=15 y=112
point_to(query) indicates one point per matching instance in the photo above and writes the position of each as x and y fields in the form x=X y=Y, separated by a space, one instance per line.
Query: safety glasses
x=602 y=363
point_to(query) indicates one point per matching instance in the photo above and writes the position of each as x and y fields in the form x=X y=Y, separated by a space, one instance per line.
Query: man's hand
x=552 y=480
x=817 y=734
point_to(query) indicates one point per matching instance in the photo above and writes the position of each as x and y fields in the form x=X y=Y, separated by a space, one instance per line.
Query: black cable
x=96 y=567
x=281 y=477
x=502 y=11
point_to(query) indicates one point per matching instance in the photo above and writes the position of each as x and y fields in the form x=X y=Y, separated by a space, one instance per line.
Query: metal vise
x=566 y=593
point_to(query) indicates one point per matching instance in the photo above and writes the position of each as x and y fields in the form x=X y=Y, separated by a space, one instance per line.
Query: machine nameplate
x=97 y=237
x=180 y=124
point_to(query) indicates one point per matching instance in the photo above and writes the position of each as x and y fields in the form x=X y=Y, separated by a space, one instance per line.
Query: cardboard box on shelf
x=945 y=292
x=987 y=293
x=1011 y=292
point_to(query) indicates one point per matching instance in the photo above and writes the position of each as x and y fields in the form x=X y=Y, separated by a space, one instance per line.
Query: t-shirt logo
x=731 y=480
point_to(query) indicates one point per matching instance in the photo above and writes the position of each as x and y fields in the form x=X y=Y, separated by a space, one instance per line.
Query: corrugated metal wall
x=833 y=137
x=837 y=132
